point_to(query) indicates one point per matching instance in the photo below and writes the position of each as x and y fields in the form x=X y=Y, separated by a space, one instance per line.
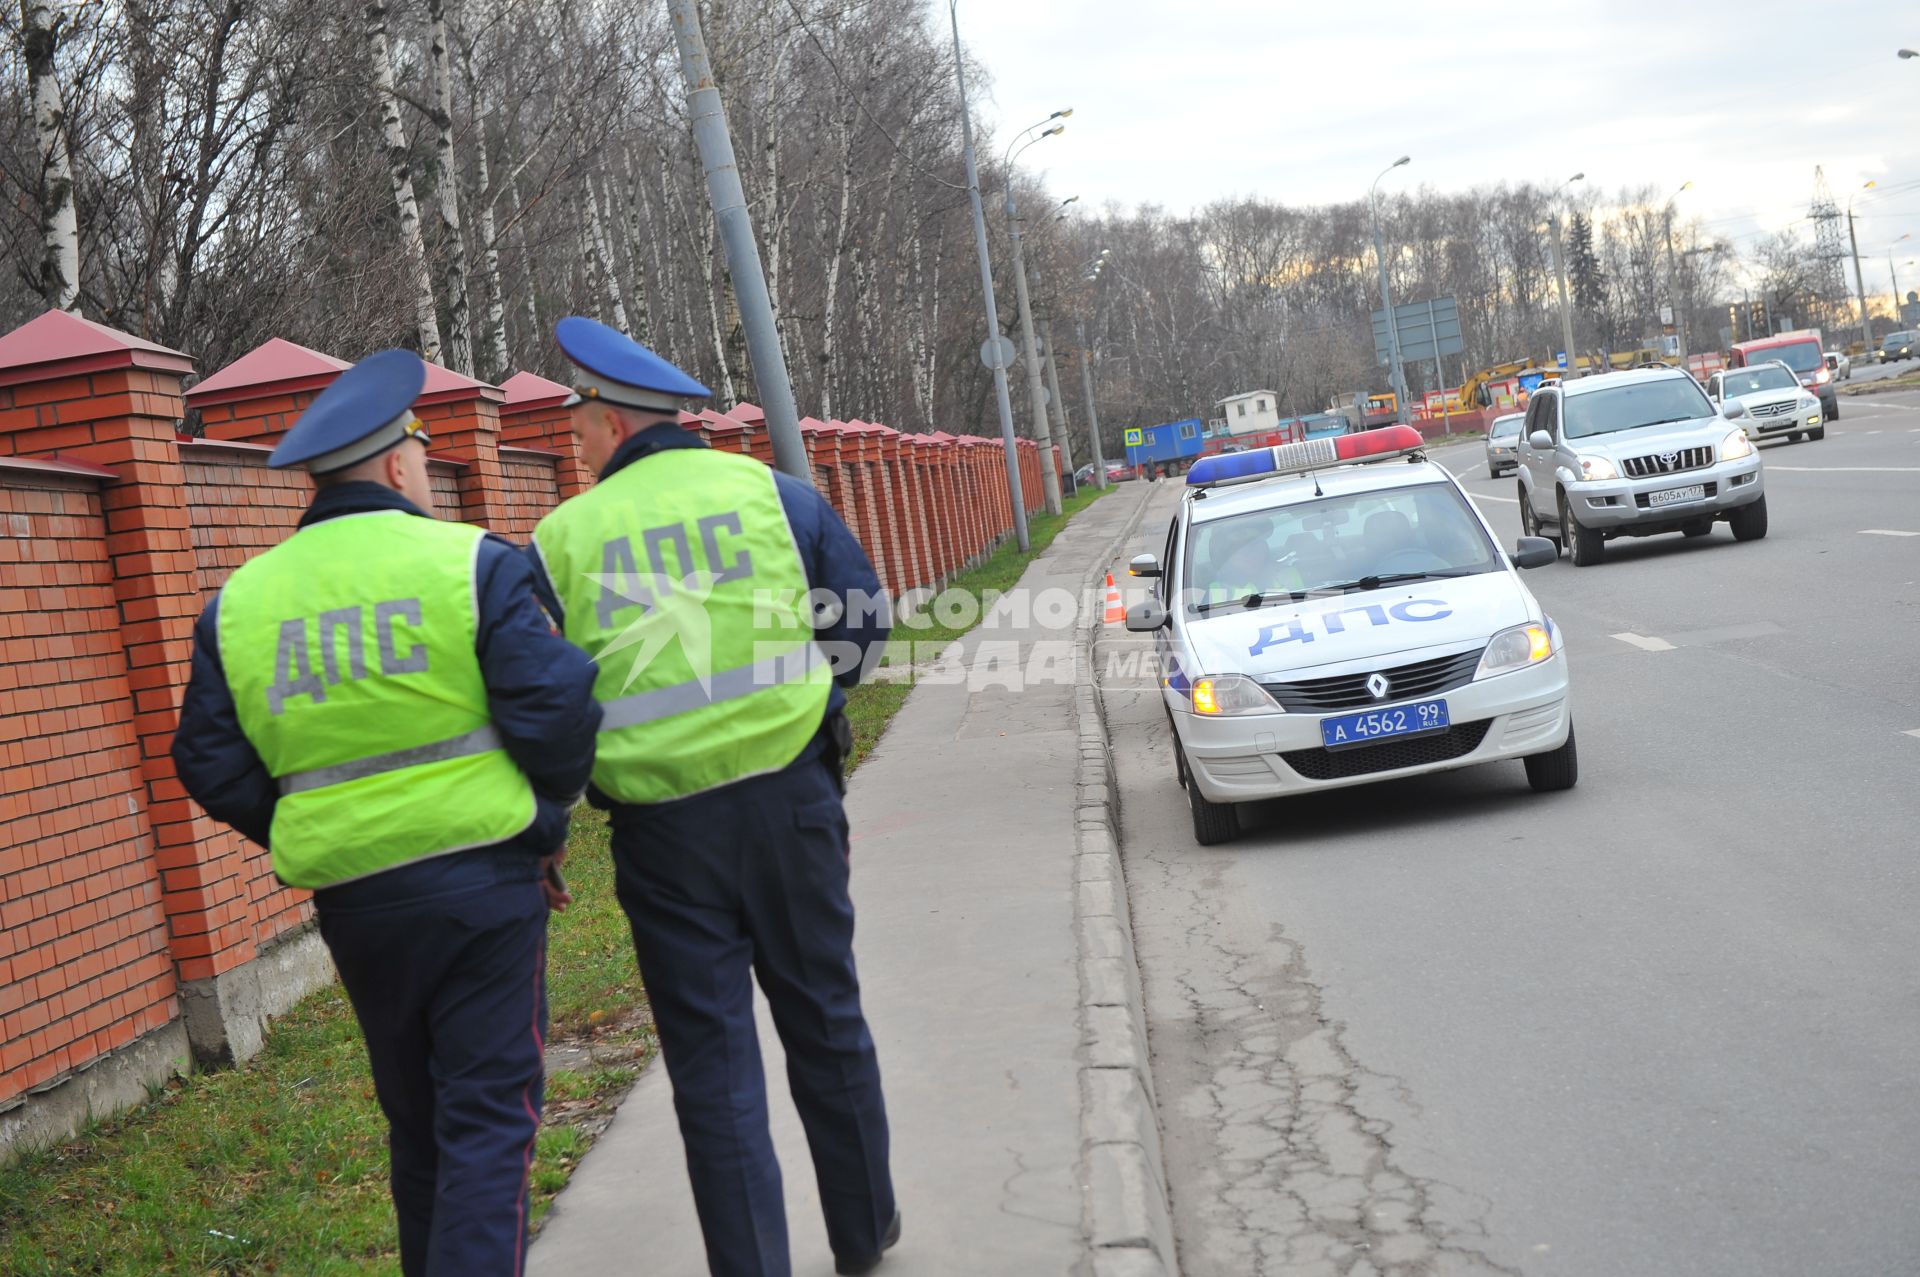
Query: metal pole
x=1566 y=312
x=1005 y=404
x=1899 y=311
x=1859 y=284
x=1398 y=375
x=1093 y=415
x=736 y=232
x=1036 y=392
x=1673 y=292
x=1056 y=403
x=1439 y=373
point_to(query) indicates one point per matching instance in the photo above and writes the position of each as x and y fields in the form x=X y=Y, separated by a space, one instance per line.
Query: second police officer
x=686 y=572
x=380 y=702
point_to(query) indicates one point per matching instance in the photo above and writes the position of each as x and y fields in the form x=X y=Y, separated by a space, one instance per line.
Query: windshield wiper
x=1664 y=421
x=1251 y=601
x=1393 y=578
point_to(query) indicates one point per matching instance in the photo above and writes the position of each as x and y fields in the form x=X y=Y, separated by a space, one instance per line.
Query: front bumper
x=1611 y=504
x=1244 y=757
x=1769 y=427
x=1498 y=457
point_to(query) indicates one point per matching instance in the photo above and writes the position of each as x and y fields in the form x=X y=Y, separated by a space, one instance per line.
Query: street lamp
x=1001 y=401
x=1859 y=284
x=1560 y=271
x=1386 y=301
x=1086 y=375
x=1673 y=279
x=1036 y=390
x=1899 y=314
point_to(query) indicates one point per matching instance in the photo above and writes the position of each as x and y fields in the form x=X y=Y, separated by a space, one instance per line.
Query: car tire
x=1556 y=769
x=1817 y=433
x=1213 y=823
x=1832 y=410
x=1530 y=522
x=1697 y=528
x=1749 y=522
x=1585 y=546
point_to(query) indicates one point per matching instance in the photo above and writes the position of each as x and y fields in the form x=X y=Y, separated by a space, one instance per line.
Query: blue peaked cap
x=616 y=368
x=366 y=410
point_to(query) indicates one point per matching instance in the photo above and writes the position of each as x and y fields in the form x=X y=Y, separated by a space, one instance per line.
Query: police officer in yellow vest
x=685 y=572
x=380 y=701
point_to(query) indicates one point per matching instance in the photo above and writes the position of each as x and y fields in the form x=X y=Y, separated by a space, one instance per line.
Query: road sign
x=1420 y=326
x=997 y=352
x=1135 y=436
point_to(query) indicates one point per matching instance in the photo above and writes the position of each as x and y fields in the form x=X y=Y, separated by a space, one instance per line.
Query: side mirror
x=1541 y=440
x=1733 y=410
x=1145 y=618
x=1144 y=565
x=1534 y=552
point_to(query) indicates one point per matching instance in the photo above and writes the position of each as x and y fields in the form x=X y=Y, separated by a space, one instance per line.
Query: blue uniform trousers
x=445 y=962
x=753 y=877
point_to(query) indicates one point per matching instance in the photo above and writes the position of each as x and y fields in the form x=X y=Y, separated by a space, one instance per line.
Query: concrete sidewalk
x=963 y=852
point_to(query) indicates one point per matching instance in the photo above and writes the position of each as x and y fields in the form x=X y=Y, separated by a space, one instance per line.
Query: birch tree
x=59 y=267
x=400 y=175
x=447 y=187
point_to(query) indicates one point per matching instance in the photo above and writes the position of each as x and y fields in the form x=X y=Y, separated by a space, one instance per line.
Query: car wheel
x=1556 y=769
x=1585 y=546
x=1529 y=521
x=1749 y=522
x=1817 y=433
x=1697 y=528
x=1833 y=410
x=1213 y=823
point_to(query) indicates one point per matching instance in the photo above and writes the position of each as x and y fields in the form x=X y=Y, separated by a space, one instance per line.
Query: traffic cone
x=1116 y=611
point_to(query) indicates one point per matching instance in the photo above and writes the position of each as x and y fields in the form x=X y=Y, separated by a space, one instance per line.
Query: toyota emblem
x=1379 y=686
x=1668 y=458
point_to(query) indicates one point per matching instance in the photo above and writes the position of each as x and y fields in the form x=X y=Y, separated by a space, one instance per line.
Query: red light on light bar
x=1373 y=443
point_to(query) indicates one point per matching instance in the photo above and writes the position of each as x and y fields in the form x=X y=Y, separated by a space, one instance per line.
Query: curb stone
x=1129 y=1228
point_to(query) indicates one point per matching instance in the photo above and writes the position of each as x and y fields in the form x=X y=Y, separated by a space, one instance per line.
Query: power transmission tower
x=1829 y=251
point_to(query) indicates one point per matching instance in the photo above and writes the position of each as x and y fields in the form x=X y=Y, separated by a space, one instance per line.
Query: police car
x=1334 y=612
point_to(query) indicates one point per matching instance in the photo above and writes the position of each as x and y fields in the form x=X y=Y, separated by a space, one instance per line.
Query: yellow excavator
x=1473 y=391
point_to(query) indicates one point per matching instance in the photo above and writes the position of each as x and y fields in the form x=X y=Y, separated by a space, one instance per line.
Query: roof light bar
x=1309 y=454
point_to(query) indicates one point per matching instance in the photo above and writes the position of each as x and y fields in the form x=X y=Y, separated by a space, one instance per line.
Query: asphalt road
x=1665 y=1023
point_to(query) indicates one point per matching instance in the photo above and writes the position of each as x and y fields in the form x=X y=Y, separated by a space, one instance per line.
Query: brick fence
x=134 y=930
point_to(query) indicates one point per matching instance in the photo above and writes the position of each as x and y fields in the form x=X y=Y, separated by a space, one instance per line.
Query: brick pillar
x=463 y=415
x=531 y=417
x=759 y=445
x=73 y=388
x=723 y=433
x=258 y=397
x=903 y=535
x=860 y=456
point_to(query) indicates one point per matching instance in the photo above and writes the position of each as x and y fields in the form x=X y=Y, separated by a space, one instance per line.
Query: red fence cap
x=275 y=366
x=39 y=348
x=529 y=391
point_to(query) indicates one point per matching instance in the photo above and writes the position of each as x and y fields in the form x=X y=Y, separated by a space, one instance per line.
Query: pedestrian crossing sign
x=1134 y=438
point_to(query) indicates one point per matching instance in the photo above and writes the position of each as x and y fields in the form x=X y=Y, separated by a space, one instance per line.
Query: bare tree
x=59 y=273
x=400 y=173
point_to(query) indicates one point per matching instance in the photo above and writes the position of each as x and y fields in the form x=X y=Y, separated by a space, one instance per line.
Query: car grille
x=1772 y=410
x=1365 y=760
x=1658 y=463
x=1640 y=498
x=1422 y=678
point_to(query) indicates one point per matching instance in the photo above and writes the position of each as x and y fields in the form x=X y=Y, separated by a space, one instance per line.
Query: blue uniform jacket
x=829 y=552
x=539 y=693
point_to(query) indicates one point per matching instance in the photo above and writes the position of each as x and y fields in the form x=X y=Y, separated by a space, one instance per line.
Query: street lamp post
x=1859 y=284
x=1036 y=390
x=1560 y=273
x=1899 y=314
x=1086 y=377
x=1673 y=280
x=1398 y=374
x=1001 y=399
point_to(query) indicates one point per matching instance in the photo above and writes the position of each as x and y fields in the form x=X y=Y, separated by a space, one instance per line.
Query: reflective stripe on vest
x=680 y=577
x=349 y=651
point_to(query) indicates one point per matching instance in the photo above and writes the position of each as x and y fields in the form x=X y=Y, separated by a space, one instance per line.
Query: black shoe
x=867 y=1265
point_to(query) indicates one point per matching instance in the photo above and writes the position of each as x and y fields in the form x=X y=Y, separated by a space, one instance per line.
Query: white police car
x=1323 y=623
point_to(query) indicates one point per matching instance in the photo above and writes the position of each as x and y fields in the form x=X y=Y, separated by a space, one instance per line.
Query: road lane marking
x=1915 y=733
x=1488 y=496
x=1886 y=532
x=1644 y=643
x=1849 y=469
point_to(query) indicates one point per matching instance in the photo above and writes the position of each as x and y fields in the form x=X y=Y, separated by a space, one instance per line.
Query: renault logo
x=1378 y=685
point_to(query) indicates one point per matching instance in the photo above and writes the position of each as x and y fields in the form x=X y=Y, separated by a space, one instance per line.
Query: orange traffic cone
x=1116 y=611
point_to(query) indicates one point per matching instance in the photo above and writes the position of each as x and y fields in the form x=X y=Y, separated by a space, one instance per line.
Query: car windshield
x=1895 y=339
x=1643 y=403
x=1507 y=427
x=1334 y=544
x=1745 y=381
x=1801 y=356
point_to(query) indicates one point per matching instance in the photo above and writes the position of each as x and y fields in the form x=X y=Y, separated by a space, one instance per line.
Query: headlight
x=1517 y=648
x=1823 y=376
x=1597 y=468
x=1735 y=446
x=1231 y=694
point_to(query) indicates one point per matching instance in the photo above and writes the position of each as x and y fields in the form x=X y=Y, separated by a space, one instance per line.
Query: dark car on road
x=1896 y=346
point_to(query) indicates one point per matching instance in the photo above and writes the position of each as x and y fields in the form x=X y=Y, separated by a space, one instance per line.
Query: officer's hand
x=558 y=897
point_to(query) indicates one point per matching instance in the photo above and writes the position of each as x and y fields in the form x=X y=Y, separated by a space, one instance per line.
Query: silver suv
x=1635 y=454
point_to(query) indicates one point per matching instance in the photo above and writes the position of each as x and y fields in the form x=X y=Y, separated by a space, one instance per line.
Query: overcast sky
x=1182 y=103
